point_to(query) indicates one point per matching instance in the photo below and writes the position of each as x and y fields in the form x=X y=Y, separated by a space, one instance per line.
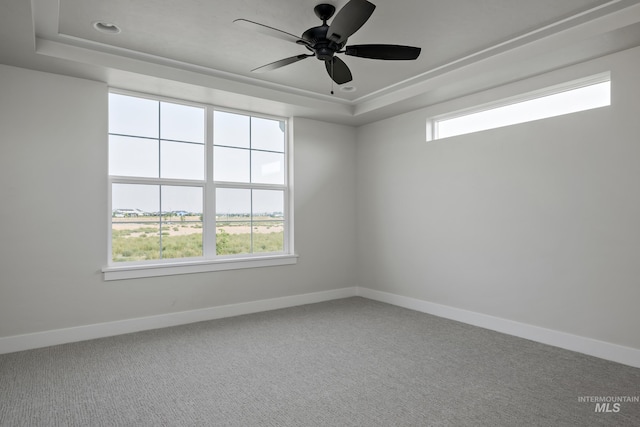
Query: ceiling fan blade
x=281 y=63
x=338 y=70
x=265 y=29
x=349 y=19
x=383 y=51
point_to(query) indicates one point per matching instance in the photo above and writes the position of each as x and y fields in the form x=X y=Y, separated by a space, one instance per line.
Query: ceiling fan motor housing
x=320 y=44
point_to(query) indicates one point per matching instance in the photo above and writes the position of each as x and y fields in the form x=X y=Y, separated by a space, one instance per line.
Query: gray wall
x=53 y=221
x=537 y=223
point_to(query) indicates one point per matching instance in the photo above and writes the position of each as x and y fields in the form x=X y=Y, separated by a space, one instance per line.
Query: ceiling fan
x=325 y=41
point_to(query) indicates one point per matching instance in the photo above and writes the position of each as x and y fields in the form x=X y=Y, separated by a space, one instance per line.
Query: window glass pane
x=233 y=204
x=145 y=198
x=267 y=134
x=133 y=116
x=268 y=224
x=231 y=130
x=181 y=160
x=181 y=221
x=231 y=164
x=133 y=156
x=233 y=221
x=570 y=101
x=268 y=204
x=267 y=167
x=181 y=122
x=135 y=230
x=268 y=236
x=181 y=200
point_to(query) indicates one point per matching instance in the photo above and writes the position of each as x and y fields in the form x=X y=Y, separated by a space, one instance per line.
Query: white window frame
x=433 y=122
x=209 y=261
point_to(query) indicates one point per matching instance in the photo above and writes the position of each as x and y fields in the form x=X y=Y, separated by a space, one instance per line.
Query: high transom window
x=571 y=97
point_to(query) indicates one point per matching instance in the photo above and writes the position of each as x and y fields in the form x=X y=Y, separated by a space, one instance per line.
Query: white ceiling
x=192 y=48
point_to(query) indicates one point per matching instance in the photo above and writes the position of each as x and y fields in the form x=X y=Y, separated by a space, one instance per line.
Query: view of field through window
x=157 y=164
x=139 y=238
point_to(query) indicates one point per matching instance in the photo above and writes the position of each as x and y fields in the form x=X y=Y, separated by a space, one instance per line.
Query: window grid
x=251 y=186
x=207 y=185
x=155 y=139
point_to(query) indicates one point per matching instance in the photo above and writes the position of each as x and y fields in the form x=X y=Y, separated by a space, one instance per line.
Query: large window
x=194 y=185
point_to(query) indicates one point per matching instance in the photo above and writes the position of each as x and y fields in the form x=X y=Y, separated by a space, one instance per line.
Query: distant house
x=122 y=213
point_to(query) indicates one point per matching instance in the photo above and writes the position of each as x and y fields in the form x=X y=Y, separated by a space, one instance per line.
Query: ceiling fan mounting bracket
x=324 y=11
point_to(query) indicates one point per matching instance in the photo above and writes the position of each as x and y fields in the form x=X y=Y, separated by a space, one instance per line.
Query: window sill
x=187 y=267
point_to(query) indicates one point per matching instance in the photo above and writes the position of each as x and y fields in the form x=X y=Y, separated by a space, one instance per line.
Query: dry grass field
x=152 y=237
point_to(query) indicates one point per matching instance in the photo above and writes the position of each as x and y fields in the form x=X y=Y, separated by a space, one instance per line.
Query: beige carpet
x=351 y=362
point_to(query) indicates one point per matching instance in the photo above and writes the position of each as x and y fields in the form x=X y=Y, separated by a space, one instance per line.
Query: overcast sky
x=136 y=124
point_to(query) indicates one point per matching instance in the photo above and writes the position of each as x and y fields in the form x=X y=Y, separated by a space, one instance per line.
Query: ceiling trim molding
x=596 y=21
x=186 y=73
x=613 y=11
x=71 y=41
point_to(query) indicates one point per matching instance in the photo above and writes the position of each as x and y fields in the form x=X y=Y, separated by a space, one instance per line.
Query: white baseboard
x=604 y=350
x=100 y=330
